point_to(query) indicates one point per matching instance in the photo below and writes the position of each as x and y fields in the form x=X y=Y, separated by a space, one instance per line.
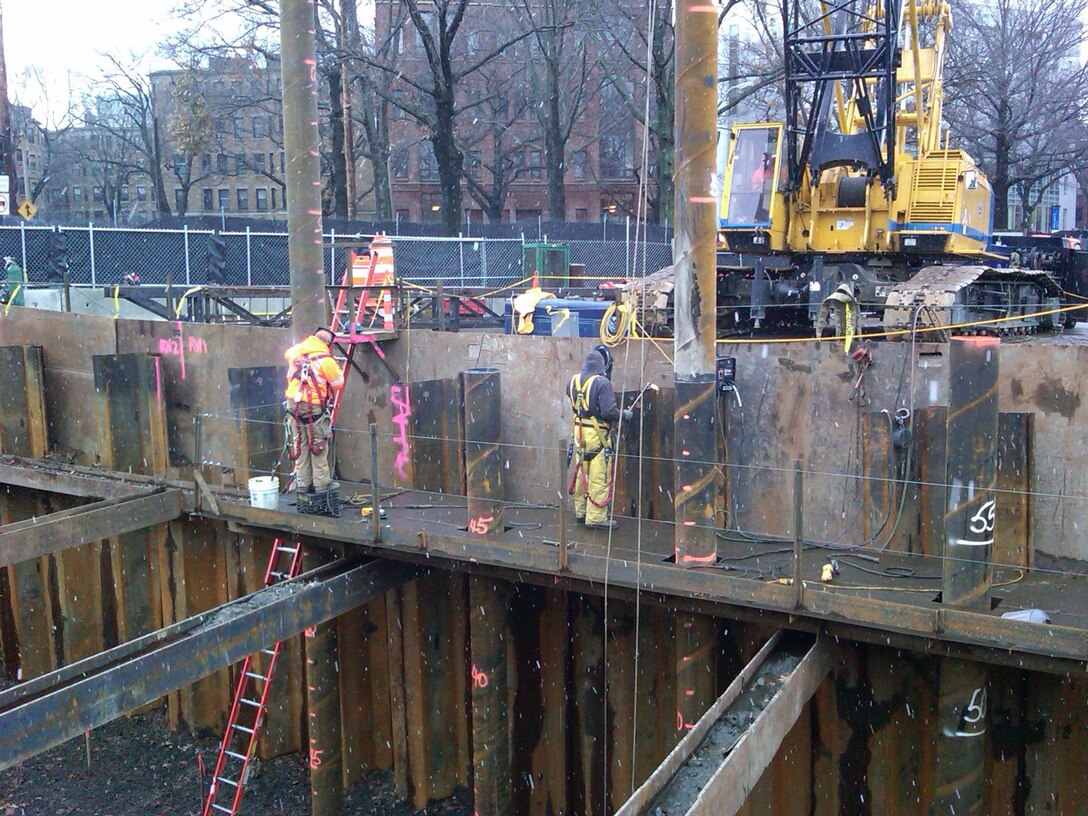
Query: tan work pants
x=311 y=469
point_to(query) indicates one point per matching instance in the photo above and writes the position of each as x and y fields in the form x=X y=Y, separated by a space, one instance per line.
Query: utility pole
x=298 y=66
x=696 y=423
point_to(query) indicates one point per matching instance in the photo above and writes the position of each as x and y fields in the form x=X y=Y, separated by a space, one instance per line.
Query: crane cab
x=753 y=215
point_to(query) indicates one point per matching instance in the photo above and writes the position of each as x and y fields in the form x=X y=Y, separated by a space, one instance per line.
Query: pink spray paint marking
x=180 y=345
x=479 y=678
x=398 y=393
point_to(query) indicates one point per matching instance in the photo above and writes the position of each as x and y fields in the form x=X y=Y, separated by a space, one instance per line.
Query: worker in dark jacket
x=595 y=412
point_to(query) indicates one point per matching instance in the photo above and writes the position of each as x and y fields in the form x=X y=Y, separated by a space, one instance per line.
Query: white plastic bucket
x=264 y=492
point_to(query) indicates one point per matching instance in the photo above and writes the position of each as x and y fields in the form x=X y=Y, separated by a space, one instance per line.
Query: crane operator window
x=753 y=176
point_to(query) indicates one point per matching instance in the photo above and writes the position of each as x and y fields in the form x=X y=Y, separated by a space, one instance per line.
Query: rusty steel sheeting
x=971 y=470
x=256 y=402
x=22 y=401
x=695 y=294
x=298 y=69
x=697 y=475
x=94 y=692
x=482 y=406
x=435 y=442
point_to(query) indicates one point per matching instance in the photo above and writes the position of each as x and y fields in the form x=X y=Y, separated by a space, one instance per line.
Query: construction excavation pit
x=792 y=527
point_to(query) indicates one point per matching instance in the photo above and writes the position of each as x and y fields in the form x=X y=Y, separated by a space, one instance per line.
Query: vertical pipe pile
x=323 y=715
x=298 y=69
x=482 y=408
x=697 y=475
x=695 y=292
x=491 y=746
x=971 y=478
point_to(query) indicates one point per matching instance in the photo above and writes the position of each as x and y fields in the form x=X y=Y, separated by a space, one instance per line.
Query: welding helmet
x=606 y=355
x=332 y=334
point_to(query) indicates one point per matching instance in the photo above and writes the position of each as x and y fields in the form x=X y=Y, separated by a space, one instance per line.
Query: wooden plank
x=70 y=484
x=23 y=540
x=1013 y=539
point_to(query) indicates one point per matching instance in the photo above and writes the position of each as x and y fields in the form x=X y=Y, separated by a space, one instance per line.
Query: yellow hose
x=622 y=311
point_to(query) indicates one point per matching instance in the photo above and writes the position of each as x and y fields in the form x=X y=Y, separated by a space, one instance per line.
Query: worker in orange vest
x=312 y=378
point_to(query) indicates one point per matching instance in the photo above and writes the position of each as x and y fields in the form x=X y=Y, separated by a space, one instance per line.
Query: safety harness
x=578 y=392
x=308 y=375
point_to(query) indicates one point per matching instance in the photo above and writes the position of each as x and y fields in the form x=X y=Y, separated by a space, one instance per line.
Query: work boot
x=331 y=487
x=579 y=519
x=608 y=524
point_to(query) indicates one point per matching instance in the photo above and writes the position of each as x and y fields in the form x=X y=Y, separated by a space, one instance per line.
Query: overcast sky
x=65 y=36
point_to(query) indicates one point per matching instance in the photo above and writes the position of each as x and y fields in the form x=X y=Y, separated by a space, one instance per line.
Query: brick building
x=503 y=137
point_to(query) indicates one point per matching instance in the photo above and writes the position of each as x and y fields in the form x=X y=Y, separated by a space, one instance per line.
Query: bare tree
x=564 y=81
x=426 y=83
x=497 y=135
x=31 y=92
x=1016 y=93
x=128 y=126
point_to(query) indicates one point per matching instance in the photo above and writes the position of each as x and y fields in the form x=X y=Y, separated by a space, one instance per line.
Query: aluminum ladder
x=247 y=712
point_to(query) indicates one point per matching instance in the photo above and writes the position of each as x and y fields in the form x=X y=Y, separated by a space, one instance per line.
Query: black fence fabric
x=104 y=256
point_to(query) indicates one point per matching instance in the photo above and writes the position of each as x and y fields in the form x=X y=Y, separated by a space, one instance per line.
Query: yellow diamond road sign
x=26 y=209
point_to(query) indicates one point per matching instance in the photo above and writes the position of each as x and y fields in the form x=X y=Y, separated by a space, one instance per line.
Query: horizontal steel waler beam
x=953 y=632
x=53 y=532
x=55 y=707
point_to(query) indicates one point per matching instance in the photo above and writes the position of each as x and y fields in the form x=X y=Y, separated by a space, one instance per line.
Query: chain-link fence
x=104 y=256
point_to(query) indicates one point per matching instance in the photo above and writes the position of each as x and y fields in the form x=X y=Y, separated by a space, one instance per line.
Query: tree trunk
x=339 y=164
x=555 y=149
x=999 y=182
x=664 y=89
x=163 y=205
x=450 y=162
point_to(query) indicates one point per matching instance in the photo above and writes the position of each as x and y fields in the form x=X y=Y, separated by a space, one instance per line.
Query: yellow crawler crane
x=858 y=194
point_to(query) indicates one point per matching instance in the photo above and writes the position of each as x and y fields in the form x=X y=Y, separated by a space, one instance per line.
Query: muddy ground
x=139 y=768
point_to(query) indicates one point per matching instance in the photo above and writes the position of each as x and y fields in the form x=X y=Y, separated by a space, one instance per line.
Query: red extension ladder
x=247 y=712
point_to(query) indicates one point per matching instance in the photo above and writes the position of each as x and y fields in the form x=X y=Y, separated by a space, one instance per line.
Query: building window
x=400 y=164
x=428 y=164
x=179 y=164
x=581 y=214
x=179 y=199
x=208 y=198
x=224 y=199
x=77 y=194
x=402 y=215
x=220 y=126
x=274 y=198
x=258 y=127
x=262 y=198
x=124 y=195
x=206 y=163
x=472 y=162
x=141 y=193
x=528 y=215
x=239 y=127
x=580 y=165
x=283 y=162
x=258 y=162
x=614 y=158
x=33 y=162
x=243 y=199
x=221 y=162
x=536 y=170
